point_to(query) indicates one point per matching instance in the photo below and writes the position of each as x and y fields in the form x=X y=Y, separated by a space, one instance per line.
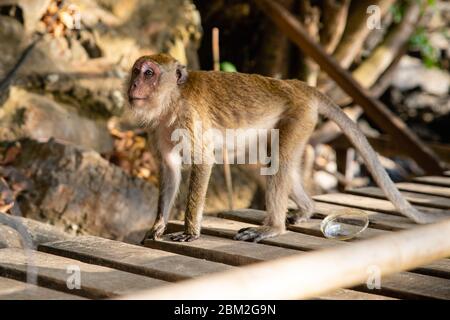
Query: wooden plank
x=376 y=110
x=228 y=228
x=407 y=285
x=136 y=259
x=52 y=271
x=438 y=268
x=367 y=203
x=311 y=227
x=11 y=289
x=222 y=250
x=416 y=198
x=242 y=253
x=377 y=220
x=346 y=294
x=424 y=188
x=434 y=180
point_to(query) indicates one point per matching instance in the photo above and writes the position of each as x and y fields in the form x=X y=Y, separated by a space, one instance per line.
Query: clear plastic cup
x=344 y=224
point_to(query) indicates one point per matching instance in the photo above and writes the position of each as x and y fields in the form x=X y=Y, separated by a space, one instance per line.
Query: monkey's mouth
x=131 y=99
x=136 y=101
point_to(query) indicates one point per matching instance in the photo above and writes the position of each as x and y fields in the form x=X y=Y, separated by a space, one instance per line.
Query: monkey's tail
x=332 y=111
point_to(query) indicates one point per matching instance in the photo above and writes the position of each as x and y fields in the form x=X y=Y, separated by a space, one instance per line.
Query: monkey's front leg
x=169 y=183
x=198 y=186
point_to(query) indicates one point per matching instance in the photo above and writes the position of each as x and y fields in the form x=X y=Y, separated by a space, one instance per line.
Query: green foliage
x=227 y=67
x=397 y=11
x=420 y=41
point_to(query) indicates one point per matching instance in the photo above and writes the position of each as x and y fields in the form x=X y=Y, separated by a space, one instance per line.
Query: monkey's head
x=154 y=83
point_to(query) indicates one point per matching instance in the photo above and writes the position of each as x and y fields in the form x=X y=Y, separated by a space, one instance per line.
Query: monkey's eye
x=149 y=72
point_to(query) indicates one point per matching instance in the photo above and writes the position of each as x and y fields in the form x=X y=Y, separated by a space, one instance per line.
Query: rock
x=79 y=191
x=423 y=102
x=9 y=238
x=411 y=73
x=150 y=26
x=95 y=96
x=32 y=11
x=11 y=38
x=31 y=115
x=26 y=232
x=49 y=55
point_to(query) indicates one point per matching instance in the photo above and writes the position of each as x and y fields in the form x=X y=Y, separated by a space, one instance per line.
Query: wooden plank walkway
x=11 y=289
x=110 y=268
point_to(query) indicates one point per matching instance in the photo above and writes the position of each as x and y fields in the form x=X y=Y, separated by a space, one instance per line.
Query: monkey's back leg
x=293 y=135
x=305 y=205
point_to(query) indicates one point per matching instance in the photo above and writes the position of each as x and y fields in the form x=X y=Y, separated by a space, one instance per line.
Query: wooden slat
x=438 y=268
x=434 y=180
x=311 y=227
x=368 y=203
x=96 y=281
x=407 y=285
x=377 y=220
x=243 y=253
x=416 y=198
x=228 y=228
x=136 y=259
x=11 y=289
x=424 y=188
x=222 y=250
x=346 y=294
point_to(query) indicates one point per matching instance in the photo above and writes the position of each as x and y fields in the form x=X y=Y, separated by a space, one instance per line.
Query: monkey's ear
x=182 y=74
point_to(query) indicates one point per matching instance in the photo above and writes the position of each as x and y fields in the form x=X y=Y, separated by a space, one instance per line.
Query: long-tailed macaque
x=162 y=93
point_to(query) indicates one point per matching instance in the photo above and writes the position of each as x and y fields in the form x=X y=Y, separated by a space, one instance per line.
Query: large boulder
x=82 y=193
x=27 y=114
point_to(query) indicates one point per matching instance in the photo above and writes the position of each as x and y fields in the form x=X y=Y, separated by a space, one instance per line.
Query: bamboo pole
x=226 y=163
x=312 y=274
x=376 y=110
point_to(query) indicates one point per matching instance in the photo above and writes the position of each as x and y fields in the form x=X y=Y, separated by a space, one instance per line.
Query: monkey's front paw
x=155 y=233
x=257 y=234
x=184 y=237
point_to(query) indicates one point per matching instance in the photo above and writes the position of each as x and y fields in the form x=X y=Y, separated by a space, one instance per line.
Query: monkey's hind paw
x=296 y=217
x=257 y=234
x=184 y=237
x=155 y=233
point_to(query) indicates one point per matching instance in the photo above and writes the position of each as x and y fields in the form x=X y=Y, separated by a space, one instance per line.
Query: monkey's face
x=144 y=81
x=154 y=83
